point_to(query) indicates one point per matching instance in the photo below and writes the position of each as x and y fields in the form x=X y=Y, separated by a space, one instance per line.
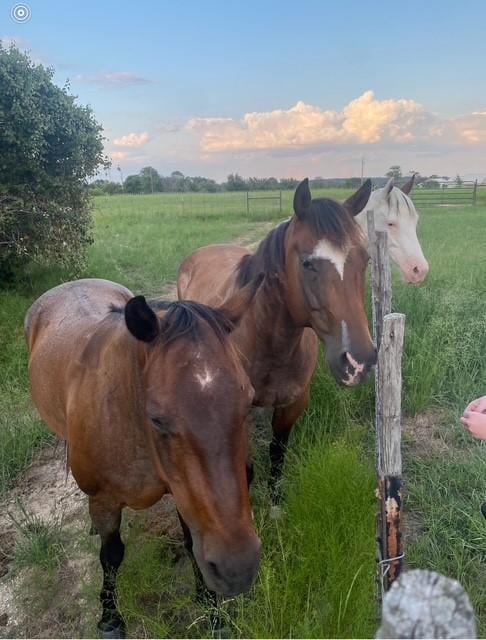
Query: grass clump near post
x=317 y=578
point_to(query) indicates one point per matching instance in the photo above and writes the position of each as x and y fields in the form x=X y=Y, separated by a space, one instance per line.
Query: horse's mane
x=184 y=318
x=325 y=217
x=268 y=257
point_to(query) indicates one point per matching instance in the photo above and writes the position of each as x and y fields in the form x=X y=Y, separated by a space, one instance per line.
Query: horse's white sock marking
x=325 y=250
x=206 y=379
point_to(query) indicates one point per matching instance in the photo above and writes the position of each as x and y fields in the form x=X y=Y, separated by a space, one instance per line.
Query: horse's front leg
x=203 y=594
x=283 y=420
x=106 y=517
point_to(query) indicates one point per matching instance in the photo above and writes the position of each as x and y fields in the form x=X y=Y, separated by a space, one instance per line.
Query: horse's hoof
x=109 y=630
x=483 y=509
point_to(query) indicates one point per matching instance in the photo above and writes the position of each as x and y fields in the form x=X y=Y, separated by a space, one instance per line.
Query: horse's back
x=209 y=274
x=71 y=304
x=58 y=327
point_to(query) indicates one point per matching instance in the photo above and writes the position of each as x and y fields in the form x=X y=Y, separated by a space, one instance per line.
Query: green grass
x=40 y=543
x=318 y=559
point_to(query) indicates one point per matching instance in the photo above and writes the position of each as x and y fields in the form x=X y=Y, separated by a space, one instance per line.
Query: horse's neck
x=275 y=332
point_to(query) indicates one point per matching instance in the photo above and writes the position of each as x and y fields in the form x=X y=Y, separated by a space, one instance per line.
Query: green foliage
x=49 y=148
x=394 y=171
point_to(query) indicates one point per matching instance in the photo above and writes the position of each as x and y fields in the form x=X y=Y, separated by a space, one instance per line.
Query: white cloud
x=472 y=128
x=364 y=120
x=134 y=140
x=119 y=155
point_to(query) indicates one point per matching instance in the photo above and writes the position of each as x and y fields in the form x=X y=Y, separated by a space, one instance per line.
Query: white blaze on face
x=205 y=379
x=344 y=336
x=325 y=250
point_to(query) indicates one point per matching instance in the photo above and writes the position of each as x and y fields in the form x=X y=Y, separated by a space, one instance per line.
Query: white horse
x=395 y=213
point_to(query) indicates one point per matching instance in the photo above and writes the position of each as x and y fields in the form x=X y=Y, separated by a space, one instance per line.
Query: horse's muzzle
x=228 y=571
x=350 y=371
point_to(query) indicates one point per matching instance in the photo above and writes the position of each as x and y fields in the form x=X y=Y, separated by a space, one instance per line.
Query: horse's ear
x=235 y=306
x=358 y=201
x=408 y=186
x=387 y=189
x=302 y=199
x=141 y=321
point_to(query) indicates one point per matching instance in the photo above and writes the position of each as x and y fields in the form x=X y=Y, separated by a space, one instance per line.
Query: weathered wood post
x=389 y=377
x=425 y=604
x=475 y=193
x=388 y=329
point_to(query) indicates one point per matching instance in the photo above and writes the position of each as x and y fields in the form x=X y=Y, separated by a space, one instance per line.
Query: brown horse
x=314 y=266
x=152 y=399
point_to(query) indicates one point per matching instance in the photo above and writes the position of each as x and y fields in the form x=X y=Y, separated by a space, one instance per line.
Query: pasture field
x=318 y=567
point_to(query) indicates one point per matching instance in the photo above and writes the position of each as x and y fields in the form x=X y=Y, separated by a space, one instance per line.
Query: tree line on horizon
x=148 y=180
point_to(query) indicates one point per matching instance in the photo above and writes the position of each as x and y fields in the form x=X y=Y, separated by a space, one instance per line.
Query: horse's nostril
x=343 y=359
x=415 y=269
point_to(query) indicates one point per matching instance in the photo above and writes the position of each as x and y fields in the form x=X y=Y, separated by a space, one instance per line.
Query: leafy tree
x=235 y=182
x=394 y=171
x=150 y=180
x=49 y=146
x=133 y=184
x=288 y=183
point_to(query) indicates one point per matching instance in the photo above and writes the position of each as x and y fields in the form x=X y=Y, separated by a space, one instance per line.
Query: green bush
x=49 y=146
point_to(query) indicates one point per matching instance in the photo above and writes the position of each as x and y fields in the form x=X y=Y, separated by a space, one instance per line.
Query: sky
x=271 y=88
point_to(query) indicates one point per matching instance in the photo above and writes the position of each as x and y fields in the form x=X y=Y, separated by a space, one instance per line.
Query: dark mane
x=326 y=218
x=268 y=257
x=183 y=318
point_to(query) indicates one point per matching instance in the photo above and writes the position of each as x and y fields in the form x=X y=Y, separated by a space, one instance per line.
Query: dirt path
x=52 y=601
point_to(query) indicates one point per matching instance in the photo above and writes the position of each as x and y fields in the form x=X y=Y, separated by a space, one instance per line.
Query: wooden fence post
x=380 y=276
x=475 y=192
x=425 y=604
x=388 y=330
x=389 y=379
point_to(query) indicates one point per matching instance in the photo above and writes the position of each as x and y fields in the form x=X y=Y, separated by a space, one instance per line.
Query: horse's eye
x=161 y=424
x=307 y=264
x=391 y=224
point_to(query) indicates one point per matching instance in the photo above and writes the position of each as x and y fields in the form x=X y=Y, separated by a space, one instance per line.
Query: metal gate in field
x=447 y=195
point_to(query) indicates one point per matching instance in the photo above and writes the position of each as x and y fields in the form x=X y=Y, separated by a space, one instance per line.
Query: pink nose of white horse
x=416 y=272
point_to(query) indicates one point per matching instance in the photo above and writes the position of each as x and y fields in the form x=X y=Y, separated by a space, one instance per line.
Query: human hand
x=475 y=422
x=478 y=405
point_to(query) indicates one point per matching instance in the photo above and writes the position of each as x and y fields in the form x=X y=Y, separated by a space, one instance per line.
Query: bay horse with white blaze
x=314 y=266
x=395 y=213
x=151 y=399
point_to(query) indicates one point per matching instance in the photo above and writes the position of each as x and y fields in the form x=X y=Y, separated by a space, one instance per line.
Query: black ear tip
x=136 y=300
x=141 y=321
